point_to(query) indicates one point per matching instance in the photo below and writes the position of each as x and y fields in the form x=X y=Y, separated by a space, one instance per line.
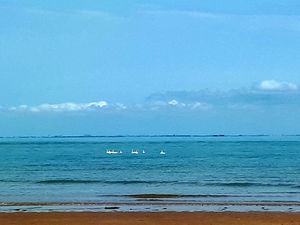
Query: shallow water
x=194 y=169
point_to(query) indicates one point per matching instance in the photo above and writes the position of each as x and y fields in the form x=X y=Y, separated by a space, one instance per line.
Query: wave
x=146 y=196
x=236 y=184
x=74 y=181
x=162 y=182
x=254 y=184
x=121 y=182
x=67 y=181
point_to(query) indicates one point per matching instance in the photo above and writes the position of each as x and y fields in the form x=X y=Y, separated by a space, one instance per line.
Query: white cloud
x=190 y=105
x=61 y=107
x=273 y=85
x=97 y=104
x=173 y=102
x=200 y=105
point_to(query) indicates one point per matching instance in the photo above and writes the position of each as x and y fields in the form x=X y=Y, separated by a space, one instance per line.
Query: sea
x=196 y=173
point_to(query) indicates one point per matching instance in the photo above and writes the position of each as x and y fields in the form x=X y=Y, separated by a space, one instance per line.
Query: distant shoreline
x=137 y=136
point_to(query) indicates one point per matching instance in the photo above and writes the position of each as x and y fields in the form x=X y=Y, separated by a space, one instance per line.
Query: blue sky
x=149 y=67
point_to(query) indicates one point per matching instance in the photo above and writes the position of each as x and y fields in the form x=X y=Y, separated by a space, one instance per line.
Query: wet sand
x=157 y=218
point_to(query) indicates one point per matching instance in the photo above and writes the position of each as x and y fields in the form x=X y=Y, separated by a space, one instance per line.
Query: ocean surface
x=201 y=171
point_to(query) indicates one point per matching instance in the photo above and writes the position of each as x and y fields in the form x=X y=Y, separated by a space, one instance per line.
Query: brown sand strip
x=153 y=218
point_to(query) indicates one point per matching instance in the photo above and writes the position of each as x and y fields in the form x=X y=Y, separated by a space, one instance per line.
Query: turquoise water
x=194 y=169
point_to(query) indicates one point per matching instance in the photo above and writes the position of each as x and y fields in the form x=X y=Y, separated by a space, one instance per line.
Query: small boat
x=120 y=152
x=134 y=152
x=109 y=151
x=143 y=152
x=162 y=152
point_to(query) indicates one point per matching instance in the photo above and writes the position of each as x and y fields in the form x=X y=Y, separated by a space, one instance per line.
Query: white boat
x=120 y=152
x=162 y=152
x=143 y=152
x=134 y=151
x=109 y=151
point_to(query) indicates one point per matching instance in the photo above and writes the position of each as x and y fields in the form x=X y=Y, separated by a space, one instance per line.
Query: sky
x=74 y=67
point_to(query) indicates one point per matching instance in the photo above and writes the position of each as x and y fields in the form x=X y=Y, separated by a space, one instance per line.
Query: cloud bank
x=264 y=94
x=61 y=107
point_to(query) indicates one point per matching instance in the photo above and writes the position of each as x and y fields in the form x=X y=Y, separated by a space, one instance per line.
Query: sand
x=146 y=218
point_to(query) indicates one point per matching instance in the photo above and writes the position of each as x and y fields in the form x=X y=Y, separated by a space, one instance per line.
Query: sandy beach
x=157 y=218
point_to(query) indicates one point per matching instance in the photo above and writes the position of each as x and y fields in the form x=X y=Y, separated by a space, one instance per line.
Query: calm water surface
x=208 y=169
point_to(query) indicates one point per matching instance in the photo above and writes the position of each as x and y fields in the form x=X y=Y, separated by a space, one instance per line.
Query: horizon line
x=147 y=135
